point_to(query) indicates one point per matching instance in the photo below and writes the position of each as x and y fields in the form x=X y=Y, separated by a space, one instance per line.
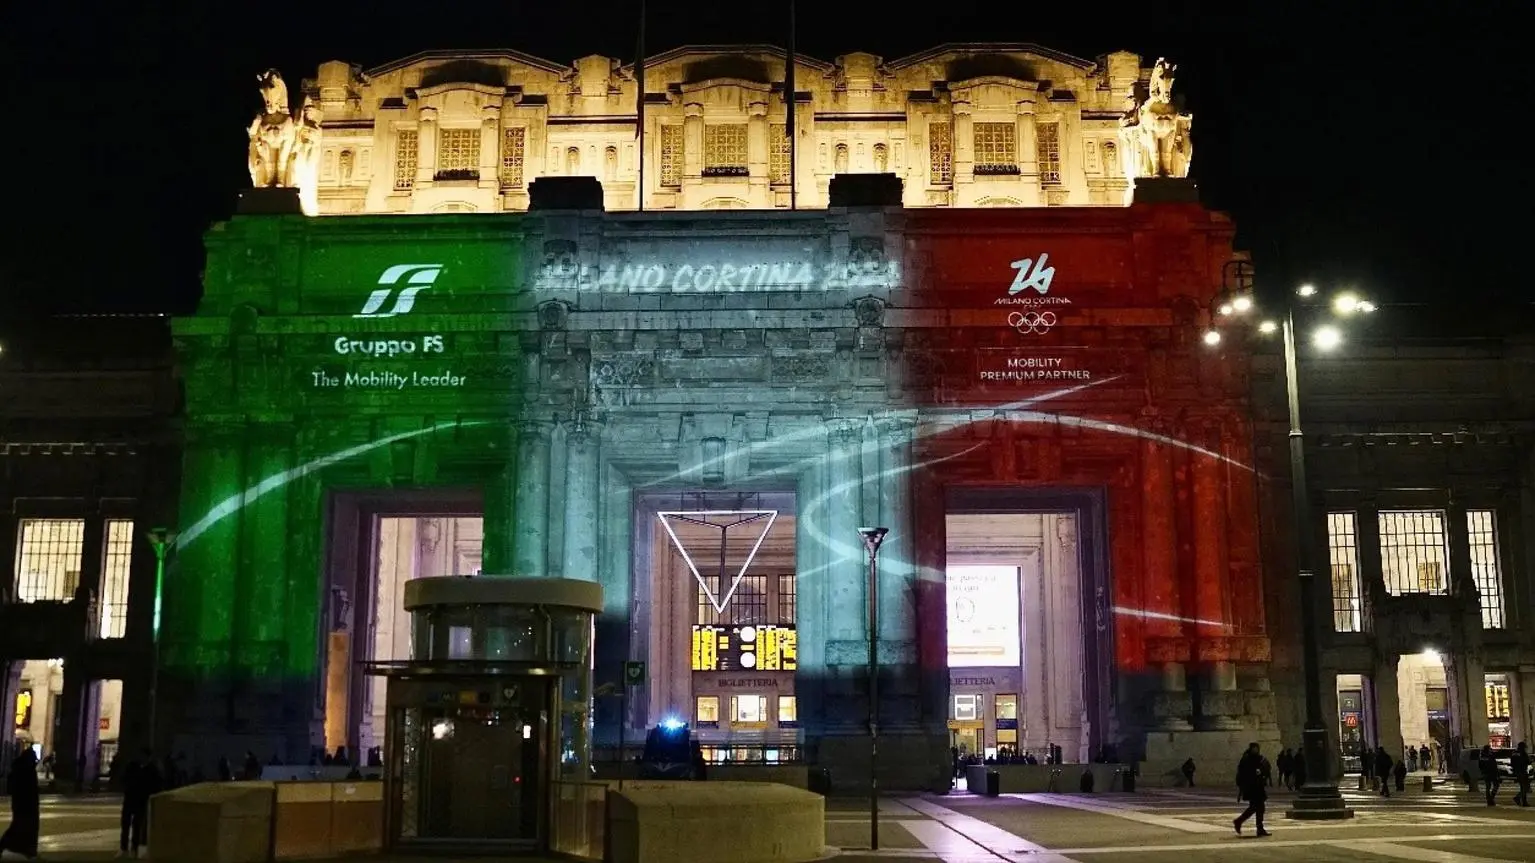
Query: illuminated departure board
x=745 y=648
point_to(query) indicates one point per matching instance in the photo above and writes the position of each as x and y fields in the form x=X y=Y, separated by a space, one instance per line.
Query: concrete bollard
x=1428 y=783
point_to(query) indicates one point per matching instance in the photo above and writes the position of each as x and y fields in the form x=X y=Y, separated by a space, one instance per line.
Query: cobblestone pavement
x=1445 y=825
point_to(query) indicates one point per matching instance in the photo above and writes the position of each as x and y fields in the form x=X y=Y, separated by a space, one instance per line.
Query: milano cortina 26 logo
x=1035 y=276
x=417 y=278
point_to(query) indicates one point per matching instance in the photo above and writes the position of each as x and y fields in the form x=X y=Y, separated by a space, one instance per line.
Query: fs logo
x=1038 y=278
x=421 y=277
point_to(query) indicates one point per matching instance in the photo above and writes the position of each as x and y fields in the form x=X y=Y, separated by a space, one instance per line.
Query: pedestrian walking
x=142 y=782
x=26 y=807
x=1399 y=773
x=1519 y=765
x=1188 y=772
x=1367 y=767
x=1487 y=765
x=1250 y=787
x=1383 y=765
x=1285 y=763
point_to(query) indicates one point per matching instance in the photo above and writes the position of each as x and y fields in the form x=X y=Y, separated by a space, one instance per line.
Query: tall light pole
x=872 y=538
x=160 y=539
x=1318 y=797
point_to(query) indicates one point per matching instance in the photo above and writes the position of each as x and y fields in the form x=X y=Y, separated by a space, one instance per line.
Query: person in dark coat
x=1251 y=787
x=1367 y=765
x=1383 y=765
x=1399 y=773
x=1487 y=765
x=142 y=782
x=1188 y=772
x=26 y=807
x=1519 y=765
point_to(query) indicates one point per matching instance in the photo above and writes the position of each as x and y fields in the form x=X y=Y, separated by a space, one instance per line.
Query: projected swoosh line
x=234 y=503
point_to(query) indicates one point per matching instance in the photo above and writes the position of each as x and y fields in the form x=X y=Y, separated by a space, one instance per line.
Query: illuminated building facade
x=961 y=125
x=698 y=412
x=89 y=460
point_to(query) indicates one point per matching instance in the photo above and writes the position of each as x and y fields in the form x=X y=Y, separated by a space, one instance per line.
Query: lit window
x=406 y=148
x=996 y=148
x=1482 y=527
x=787 y=600
x=967 y=707
x=48 y=559
x=514 y=142
x=706 y=708
x=1007 y=707
x=458 y=152
x=748 y=708
x=788 y=709
x=778 y=156
x=1412 y=551
x=671 y=155
x=1343 y=554
x=940 y=154
x=1048 y=138
x=114 y=578
x=725 y=150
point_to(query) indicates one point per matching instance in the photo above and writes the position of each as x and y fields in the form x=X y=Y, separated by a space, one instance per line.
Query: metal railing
x=578 y=819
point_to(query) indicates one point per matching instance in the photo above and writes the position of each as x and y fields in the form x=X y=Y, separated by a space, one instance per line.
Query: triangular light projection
x=722 y=521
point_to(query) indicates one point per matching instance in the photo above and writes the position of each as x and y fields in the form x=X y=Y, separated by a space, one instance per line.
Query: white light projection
x=701 y=517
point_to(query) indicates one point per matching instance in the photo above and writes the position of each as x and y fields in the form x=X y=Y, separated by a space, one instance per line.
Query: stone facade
x=90 y=447
x=879 y=364
x=961 y=125
x=1417 y=415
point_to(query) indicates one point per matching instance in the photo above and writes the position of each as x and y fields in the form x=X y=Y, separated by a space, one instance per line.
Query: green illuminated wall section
x=359 y=353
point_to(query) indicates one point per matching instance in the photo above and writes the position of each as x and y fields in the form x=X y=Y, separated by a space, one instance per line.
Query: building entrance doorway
x=1016 y=652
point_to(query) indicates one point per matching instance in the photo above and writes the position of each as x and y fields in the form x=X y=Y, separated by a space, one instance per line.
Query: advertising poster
x=983 y=616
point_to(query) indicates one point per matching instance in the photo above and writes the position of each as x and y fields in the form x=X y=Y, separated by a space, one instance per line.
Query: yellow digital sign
x=745 y=648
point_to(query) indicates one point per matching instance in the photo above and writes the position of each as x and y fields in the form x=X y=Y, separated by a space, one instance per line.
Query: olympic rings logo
x=1038 y=323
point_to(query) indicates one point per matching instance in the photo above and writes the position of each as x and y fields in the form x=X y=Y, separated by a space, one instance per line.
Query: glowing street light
x=1268 y=328
x=1226 y=309
x=1212 y=337
x=1242 y=305
x=1327 y=337
x=1306 y=290
x=1346 y=303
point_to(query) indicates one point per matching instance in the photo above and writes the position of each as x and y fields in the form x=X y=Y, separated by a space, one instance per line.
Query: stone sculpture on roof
x=1156 y=135
x=284 y=148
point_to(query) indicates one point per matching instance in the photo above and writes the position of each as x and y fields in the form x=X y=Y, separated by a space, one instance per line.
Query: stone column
x=964 y=145
x=490 y=146
x=757 y=146
x=845 y=557
x=1210 y=600
x=1465 y=672
x=896 y=556
x=1367 y=539
x=1028 y=150
x=532 y=512
x=692 y=141
x=1388 y=708
x=1171 y=707
x=426 y=146
x=581 y=510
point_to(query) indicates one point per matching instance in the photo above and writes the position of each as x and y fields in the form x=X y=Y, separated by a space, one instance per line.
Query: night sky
x=1379 y=146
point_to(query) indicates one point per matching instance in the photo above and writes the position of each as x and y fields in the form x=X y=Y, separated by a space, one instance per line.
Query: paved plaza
x=1446 y=825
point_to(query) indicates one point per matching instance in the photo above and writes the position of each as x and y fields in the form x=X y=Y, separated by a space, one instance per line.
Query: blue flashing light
x=672 y=723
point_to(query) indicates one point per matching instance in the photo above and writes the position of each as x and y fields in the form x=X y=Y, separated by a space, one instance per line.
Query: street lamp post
x=872 y=538
x=1318 y=797
x=160 y=539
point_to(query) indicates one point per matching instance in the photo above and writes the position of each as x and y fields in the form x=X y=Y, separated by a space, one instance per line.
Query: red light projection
x=1065 y=346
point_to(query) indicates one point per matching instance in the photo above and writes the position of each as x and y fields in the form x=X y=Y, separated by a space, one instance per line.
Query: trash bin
x=819 y=781
x=1129 y=778
x=1086 y=785
x=993 y=783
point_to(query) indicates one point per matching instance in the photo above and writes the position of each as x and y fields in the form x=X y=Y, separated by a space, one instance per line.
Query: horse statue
x=1162 y=146
x=272 y=135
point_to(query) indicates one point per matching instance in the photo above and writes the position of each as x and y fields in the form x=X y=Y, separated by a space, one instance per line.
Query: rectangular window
x=748 y=604
x=1343 y=555
x=967 y=708
x=706 y=708
x=48 y=556
x=940 y=154
x=1048 y=139
x=788 y=709
x=707 y=616
x=996 y=148
x=458 y=154
x=671 y=155
x=787 y=600
x=725 y=150
x=114 y=578
x=778 y=155
x=1482 y=527
x=1412 y=551
x=406 y=148
x=748 y=708
x=513 y=146
x=1007 y=707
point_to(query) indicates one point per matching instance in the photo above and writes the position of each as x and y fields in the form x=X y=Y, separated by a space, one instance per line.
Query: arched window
x=841 y=165
x=347 y=160
x=881 y=159
x=573 y=161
